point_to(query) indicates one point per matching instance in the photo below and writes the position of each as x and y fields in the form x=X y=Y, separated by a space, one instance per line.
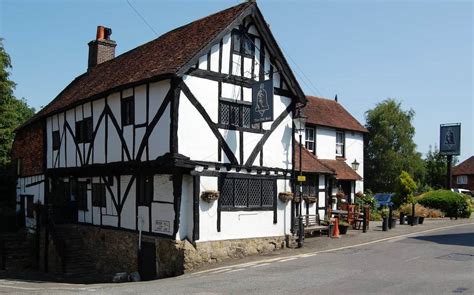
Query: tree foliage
x=436 y=168
x=390 y=148
x=13 y=112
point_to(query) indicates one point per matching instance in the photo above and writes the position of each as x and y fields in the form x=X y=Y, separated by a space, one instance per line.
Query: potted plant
x=395 y=216
x=285 y=196
x=210 y=195
x=421 y=212
x=385 y=212
x=343 y=226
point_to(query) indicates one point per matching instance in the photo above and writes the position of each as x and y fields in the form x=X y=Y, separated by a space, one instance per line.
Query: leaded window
x=247 y=193
x=84 y=130
x=234 y=114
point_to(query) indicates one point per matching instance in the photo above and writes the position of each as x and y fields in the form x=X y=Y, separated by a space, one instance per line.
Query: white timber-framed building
x=134 y=143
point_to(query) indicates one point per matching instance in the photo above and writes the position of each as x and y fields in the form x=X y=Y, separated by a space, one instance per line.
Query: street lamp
x=355 y=165
x=300 y=121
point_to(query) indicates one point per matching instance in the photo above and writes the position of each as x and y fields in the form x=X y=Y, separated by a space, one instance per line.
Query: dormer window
x=243 y=43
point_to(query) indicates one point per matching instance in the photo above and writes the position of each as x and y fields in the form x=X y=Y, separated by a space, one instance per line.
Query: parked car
x=462 y=191
x=383 y=199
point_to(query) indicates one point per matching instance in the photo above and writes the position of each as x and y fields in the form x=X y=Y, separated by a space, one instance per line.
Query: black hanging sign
x=450 y=139
x=262 y=102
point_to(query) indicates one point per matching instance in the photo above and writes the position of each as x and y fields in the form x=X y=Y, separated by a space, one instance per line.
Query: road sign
x=301 y=178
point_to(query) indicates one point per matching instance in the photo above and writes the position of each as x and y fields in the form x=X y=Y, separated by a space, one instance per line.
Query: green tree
x=436 y=168
x=13 y=112
x=389 y=148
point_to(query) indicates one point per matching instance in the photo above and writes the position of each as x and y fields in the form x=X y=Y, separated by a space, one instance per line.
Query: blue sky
x=419 y=52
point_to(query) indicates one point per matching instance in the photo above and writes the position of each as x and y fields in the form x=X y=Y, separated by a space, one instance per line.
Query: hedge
x=451 y=203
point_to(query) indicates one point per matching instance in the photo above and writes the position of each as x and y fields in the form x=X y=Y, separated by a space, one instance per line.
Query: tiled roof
x=328 y=112
x=310 y=163
x=343 y=171
x=160 y=57
x=465 y=168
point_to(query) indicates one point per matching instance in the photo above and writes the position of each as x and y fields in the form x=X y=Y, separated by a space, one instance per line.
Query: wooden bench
x=311 y=223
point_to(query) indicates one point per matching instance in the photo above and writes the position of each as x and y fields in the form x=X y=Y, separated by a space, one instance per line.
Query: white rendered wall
x=355 y=151
x=325 y=143
x=242 y=224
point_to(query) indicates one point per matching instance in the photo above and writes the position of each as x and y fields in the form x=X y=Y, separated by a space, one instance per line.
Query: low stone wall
x=203 y=253
x=114 y=251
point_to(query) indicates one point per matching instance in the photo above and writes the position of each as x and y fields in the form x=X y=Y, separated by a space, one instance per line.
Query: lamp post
x=355 y=165
x=300 y=121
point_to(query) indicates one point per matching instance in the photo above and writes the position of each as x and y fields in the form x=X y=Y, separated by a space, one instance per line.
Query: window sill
x=244 y=129
x=234 y=209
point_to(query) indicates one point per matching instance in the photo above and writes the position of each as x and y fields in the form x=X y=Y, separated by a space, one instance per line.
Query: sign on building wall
x=262 y=102
x=450 y=139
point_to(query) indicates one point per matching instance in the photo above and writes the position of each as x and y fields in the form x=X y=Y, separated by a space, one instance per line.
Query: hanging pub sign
x=450 y=139
x=262 y=102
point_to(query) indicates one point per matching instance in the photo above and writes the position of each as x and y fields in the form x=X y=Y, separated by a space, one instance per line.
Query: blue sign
x=262 y=102
x=450 y=139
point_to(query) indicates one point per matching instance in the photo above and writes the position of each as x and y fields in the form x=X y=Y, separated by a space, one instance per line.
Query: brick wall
x=28 y=146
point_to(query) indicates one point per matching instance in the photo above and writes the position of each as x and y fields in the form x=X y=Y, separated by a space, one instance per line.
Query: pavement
x=434 y=258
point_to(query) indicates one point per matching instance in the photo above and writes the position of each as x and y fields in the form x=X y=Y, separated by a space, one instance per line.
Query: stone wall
x=203 y=253
x=114 y=250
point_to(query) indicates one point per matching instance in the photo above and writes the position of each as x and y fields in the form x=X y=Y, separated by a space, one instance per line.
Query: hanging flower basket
x=340 y=195
x=285 y=196
x=210 y=196
x=310 y=199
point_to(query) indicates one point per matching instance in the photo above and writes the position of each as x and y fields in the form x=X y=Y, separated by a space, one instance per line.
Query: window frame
x=29 y=200
x=145 y=198
x=81 y=196
x=99 y=195
x=240 y=104
x=127 y=106
x=247 y=39
x=84 y=130
x=463 y=179
x=56 y=140
x=248 y=206
x=306 y=141
x=343 y=144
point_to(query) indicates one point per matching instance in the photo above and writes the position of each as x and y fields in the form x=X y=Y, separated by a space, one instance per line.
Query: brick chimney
x=102 y=48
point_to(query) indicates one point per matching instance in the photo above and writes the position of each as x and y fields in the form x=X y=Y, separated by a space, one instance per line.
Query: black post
x=300 y=217
x=390 y=212
x=364 y=221
x=2 y=255
x=413 y=214
x=449 y=177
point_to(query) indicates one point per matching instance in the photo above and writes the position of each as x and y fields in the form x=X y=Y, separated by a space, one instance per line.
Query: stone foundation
x=114 y=251
x=216 y=251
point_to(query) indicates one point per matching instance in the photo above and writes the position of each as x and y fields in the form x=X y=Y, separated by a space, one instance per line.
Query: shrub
x=405 y=187
x=419 y=210
x=451 y=203
x=435 y=213
x=375 y=216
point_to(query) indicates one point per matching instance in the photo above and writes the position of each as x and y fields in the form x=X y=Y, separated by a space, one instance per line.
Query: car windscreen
x=382 y=197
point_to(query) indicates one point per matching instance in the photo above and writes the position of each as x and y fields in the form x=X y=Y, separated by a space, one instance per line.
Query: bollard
x=364 y=221
x=390 y=217
x=413 y=214
x=300 y=231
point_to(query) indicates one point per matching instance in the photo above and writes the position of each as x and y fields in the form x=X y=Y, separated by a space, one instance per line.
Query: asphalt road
x=437 y=262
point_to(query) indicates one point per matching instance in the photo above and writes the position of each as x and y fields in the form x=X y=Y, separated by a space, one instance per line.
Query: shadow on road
x=461 y=239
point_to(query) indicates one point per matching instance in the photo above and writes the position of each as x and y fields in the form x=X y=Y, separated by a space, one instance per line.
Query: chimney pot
x=100 y=33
